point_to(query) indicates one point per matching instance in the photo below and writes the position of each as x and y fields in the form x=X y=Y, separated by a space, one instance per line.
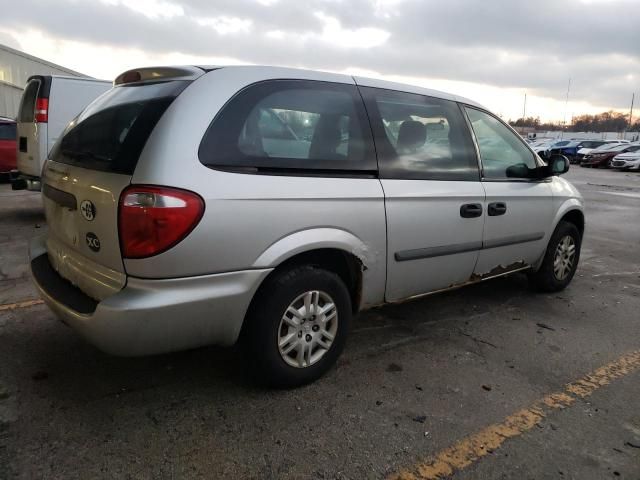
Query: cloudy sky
x=490 y=50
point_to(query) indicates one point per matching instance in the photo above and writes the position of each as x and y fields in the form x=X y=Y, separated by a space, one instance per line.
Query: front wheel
x=560 y=260
x=297 y=326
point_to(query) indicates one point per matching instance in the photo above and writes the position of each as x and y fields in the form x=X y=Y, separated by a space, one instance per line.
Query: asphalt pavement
x=442 y=377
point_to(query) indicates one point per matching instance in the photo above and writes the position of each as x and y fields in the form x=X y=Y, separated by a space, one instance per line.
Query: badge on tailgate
x=88 y=210
x=93 y=242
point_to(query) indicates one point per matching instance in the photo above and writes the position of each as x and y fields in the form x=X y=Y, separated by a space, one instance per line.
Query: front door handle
x=497 y=208
x=471 y=210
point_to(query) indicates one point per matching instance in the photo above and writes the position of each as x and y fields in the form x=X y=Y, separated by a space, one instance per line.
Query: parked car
x=566 y=148
x=186 y=208
x=541 y=143
x=591 y=145
x=7 y=146
x=542 y=146
x=48 y=104
x=601 y=158
x=627 y=161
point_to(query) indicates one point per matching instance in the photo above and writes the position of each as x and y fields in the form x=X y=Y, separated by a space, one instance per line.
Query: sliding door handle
x=497 y=208
x=471 y=210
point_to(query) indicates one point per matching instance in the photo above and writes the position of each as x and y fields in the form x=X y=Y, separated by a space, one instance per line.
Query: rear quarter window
x=281 y=125
x=111 y=132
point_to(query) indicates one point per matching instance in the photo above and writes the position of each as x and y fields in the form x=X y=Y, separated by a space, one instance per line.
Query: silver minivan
x=190 y=206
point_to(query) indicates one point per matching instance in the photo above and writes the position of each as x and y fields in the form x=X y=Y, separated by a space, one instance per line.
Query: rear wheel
x=297 y=326
x=560 y=260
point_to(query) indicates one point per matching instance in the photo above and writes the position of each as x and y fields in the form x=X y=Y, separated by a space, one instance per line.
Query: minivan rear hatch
x=88 y=169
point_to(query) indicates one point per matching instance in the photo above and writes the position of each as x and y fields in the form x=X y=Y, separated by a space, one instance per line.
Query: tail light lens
x=151 y=220
x=42 y=110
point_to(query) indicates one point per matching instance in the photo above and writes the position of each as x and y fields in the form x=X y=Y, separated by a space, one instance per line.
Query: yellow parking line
x=23 y=304
x=475 y=447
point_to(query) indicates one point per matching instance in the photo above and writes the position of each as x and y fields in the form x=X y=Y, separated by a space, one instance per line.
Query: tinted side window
x=8 y=131
x=291 y=124
x=28 y=102
x=499 y=147
x=419 y=137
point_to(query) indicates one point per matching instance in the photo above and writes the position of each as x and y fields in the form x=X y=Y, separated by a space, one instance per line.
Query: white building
x=15 y=68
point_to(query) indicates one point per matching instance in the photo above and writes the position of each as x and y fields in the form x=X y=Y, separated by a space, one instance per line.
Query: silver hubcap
x=564 y=257
x=307 y=329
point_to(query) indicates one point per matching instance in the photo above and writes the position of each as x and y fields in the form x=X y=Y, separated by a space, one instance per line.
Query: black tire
x=263 y=324
x=545 y=279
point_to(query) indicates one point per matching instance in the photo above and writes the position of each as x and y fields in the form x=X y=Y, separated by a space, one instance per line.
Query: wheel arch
x=570 y=210
x=576 y=217
x=346 y=265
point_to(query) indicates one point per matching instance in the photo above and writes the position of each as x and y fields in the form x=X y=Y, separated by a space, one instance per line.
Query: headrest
x=411 y=137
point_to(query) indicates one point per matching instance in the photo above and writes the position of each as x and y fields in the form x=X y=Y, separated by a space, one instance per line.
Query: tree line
x=601 y=122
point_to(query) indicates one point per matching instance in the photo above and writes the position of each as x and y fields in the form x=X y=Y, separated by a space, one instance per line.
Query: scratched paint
x=23 y=304
x=473 y=448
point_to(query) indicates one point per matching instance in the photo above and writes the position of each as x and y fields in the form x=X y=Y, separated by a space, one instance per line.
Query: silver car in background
x=190 y=206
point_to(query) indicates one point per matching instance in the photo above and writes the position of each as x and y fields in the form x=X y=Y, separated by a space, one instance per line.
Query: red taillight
x=154 y=219
x=42 y=110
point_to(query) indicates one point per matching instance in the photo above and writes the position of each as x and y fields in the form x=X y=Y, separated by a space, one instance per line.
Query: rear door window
x=420 y=137
x=291 y=124
x=28 y=101
x=111 y=132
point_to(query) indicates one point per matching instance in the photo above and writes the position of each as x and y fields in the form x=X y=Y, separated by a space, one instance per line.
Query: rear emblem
x=93 y=242
x=88 y=210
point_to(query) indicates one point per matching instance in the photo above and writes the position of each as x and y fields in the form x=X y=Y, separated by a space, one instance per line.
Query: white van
x=48 y=104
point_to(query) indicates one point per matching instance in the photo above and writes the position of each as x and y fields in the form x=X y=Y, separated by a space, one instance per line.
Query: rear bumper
x=151 y=316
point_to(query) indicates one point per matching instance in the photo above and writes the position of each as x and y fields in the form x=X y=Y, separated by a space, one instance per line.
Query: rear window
x=28 y=102
x=8 y=131
x=111 y=132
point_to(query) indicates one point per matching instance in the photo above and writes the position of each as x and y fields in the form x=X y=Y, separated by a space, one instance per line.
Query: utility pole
x=566 y=104
x=524 y=108
x=633 y=97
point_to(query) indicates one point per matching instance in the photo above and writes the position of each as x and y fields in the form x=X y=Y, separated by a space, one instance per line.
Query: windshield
x=111 y=132
x=606 y=147
x=614 y=148
x=591 y=144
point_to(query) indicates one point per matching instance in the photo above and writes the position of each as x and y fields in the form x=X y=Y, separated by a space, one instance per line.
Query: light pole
x=633 y=97
x=566 y=104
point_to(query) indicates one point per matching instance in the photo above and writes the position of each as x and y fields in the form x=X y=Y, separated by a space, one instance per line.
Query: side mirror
x=519 y=170
x=557 y=165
